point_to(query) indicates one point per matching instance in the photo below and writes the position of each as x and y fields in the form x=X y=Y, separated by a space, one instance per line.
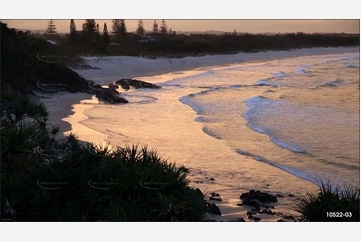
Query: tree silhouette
x=140 y=30
x=51 y=28
x=116 y=29
x=155 y=27
x=123 y=28
x=105 y=34
x=73 y=33
x=163 y=27
x=97 y=33
x=89 y=30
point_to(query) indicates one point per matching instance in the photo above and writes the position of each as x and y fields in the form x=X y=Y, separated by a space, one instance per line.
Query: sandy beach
x=67 y=109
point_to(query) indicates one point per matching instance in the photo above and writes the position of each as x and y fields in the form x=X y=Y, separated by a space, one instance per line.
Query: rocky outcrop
x=215 y=196
x=258 y=195
x=252 y=203
x=126 y=84
x=109 y=95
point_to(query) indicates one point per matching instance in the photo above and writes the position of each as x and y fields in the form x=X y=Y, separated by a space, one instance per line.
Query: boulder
x=214 y=194
x=252 y=203
x=257 y=219
x=127 y=83
x=267 y=211
x=260 y=196
x=237 y=220
x=251 y=212
x=216 y=198
x=109 y=95
x=114 y=86
x=213 y=209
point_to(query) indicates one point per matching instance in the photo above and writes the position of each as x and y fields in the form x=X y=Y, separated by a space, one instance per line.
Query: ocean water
x=281 y=126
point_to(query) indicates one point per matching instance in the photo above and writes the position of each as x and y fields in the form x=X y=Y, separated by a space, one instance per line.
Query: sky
x=250 y=26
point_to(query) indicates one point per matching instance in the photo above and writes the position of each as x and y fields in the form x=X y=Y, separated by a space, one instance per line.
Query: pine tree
x=105 y=34
x=170 y=31
x=123 y=28
x=51 y=29
x=155 y=27
x=97 y=33
x=116 y=28
x=140 y=30
x=163 y=27
x=89 y=30
x=73 y=33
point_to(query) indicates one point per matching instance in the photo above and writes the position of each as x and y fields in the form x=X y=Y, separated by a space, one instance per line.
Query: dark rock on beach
x=109 y=95
x=251 y=212
x=214 y=194
x=113 y=86
x=289 y=217
x=260 y=196
x=127 y=83
x=237 y=220
x=267 y=211
x=256 y=219
x=216 y=198
x=252 y=203
x=213 y=209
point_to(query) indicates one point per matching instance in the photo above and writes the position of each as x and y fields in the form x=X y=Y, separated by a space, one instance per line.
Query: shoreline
x=73 y=106
x=68 y=119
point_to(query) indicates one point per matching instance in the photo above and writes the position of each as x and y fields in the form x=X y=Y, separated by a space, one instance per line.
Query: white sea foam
x=267 y=83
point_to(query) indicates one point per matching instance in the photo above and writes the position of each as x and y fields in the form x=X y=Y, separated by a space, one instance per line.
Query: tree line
x=90 y=31
x=164 y=41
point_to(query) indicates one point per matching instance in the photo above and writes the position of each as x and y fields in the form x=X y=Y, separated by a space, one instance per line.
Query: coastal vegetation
x=48 y=179
x=330 y=204
x=163 y=41
x=44 y=178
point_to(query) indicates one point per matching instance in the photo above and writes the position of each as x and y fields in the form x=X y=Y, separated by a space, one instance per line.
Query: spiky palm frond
x=330 y=198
